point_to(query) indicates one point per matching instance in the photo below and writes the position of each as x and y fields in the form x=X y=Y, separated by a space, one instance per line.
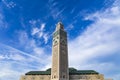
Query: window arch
x=63 y=76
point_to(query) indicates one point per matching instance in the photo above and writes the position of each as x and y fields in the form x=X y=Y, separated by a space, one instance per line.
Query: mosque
x=60 y=69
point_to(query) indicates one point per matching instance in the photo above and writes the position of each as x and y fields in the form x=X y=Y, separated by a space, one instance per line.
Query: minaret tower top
x=59 y=26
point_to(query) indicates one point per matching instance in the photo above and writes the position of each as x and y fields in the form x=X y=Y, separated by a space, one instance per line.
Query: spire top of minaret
x=59 y=26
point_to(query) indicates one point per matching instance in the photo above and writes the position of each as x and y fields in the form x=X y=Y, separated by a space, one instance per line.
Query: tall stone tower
x=60 y=69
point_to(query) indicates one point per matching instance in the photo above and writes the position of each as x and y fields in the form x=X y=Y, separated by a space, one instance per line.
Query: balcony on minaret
x=59 y=26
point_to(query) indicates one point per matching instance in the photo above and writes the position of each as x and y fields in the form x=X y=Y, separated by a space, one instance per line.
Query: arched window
x=63 y=76
x=54 y=76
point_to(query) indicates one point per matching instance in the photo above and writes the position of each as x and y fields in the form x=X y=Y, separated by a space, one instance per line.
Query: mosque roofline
x=72 y=71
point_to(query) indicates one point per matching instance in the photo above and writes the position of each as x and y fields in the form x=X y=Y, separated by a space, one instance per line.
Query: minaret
x=60 y=69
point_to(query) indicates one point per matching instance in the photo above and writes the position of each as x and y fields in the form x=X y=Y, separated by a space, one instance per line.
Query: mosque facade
x=60 y=69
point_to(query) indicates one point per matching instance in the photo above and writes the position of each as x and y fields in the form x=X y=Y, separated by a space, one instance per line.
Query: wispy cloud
x=32 y=47
x=100 y=40
x=10 y=54
x=55 y=10
x=72 y=11
x=11 y=57
x=7 y=72
x=70 y=26
x=3 y=23
x=38 y=30
x=9 y=4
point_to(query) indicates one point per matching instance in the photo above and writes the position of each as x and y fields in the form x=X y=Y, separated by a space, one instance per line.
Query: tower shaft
x=60 y=69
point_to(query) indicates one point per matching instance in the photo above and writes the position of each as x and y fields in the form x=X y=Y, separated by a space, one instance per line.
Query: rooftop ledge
x=72 y=71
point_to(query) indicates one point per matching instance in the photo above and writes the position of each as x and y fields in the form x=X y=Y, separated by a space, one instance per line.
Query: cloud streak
x=9 y=4
x=99 y=40
x=3 y=23
x=39 y=32
x=11 y=58
x=55 y=11
x=90 y=50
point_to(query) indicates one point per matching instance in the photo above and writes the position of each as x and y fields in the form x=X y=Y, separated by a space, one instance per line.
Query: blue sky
x=26 y=28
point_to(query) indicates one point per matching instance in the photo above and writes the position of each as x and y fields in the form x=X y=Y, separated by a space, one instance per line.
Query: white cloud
x=100 y=40
x=70 y=26
x=38 y=51
x=45 y=36
x=2 y=57
x=35 y=31
x=72 y=11
x=57 y=14
x=9 y=4
x=116 y=76
x=33 y=22
x=39 y=32
x=10 y=58
x=32 y=47
x=42 y=27
x=55 y=11
x=8 y=74
x=3 y=23
x=99 y=35
x=8 y=52
x=13 y=57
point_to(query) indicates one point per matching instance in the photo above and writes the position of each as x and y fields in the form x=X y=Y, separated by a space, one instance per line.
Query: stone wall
x=71 y=77
x=35 y=77
x=87 y=77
